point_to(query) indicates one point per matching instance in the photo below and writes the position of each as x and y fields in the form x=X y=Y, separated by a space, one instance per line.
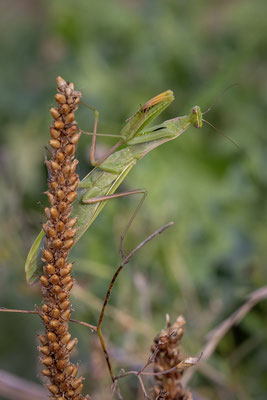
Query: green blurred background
x=120 y=54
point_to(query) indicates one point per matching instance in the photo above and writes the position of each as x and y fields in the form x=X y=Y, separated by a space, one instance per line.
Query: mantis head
x=196 y=117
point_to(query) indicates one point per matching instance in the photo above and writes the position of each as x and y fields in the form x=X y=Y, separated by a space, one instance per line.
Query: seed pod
x=75 y=371
x=64 y=271
x=46 y=372
x=65 y=108
x=59 y=124
x=54 y=346
x=71 y=196
x=50 y=197
x=68 y=287
x=60 y=194
x=66 y=315
x=69 y=233
x=62 y=296
x=51 y=232
x=66 y=170
x=45 y=308
x=61 y=364
x=47 y=255
x=55 y=166
x=47 y=212
x=73 y=179
x=54 y=143
x=54 y=212
x=79 y=389
x=54 y=279
x=71 y=222
x=61 y=83
x=53 y=185
x=60 y=378
x=68 y=244
x=61 y=179
x=55 y=313
x=74 y=186
x=75 y=138
x=50 y=269
x=43 y=339
x=57 y=243
x=60 y=156
x=55 y=113
x=66 y=338
x=70 y=393
x=54 y=133
x=47 y=361
x=69 y=118
x=72 y=344
x=44 y=280
x=70 y=131
x=62 y=206
x=60 y=226
x=54 y=323
x=45 y=318
x=56 y=289
x=60 y=98
x=53 y=389
x=73 y=166
x=69 y=149
x=69 y=370
x=67 y=279
x=64 y=305
x=60 y=262
x=51 y=336
x=61 y=330
x=44 y=349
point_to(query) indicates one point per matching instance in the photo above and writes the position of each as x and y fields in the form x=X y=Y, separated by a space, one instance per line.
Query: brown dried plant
x=166 y=345
x=56 y=281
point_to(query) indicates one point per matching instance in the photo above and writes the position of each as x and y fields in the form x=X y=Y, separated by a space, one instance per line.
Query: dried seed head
x=51 y=336
x=60 y=98
x=66 y=338
x=59 y=124
x=66 y=170
x=43 y=339
x=54 y=133
x=44 y=280
x=60 y=226
x=50 y=269
x=54 y=212
x=55 y=166
x=56 y=289
x=67 y=279
x=72 y=344
x=65 y=108
x=70 y=149
x=68 y=244
x=71 y=196
x=45 y=308
x=55 y=112
x=62 y=206
x=61 y=364
x=60 y=262
x=68 y=287
x=53 y=389
x=61 y=82
x=56 y=313
x=46 y=372
x=53 y=185
x=47 y=255
x=51 y=232
x=47 y=361
x=75 y=138
x=61 y=330
x=66 y=315
x=69 y=370
x=62 y=296
x=44 y=349
x=54 y=346
x=64 y=305
x=54 y=323
x=60 y=156
x=69 y=118
x=60 y=194
x=54 y=279
x=54 y=143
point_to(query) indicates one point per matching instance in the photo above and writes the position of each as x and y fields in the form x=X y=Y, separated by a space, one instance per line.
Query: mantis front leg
x=93 y=161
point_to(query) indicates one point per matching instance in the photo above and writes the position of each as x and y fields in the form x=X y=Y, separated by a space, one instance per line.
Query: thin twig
x=123 y=263
x=3 y=309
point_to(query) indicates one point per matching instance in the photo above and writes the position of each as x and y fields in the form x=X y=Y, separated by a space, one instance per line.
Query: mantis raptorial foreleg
x=93 y=161
x=115 y=196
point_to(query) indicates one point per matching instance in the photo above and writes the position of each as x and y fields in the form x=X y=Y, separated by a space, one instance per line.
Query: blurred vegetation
x=120 y=54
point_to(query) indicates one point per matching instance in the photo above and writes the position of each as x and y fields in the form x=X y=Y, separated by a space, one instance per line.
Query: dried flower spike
x=56 y=281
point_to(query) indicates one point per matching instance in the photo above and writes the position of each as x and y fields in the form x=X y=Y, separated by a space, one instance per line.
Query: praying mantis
x=136 y=140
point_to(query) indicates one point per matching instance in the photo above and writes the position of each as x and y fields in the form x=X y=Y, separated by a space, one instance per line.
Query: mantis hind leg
x=115 y=196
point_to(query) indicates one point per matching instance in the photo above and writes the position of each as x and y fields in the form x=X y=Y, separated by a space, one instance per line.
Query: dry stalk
x=56 y=281
x=167 y=342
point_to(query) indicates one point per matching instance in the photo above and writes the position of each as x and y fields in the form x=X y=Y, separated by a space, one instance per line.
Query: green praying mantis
x=96 y=188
